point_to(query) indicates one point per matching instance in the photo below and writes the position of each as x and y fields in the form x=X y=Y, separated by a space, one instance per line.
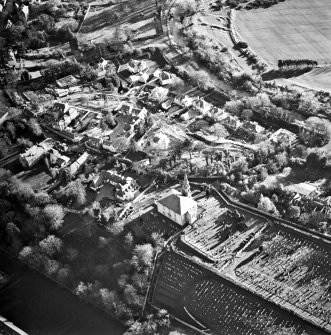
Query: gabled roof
x=177 y=203
x=201 y=103
x=165 y=75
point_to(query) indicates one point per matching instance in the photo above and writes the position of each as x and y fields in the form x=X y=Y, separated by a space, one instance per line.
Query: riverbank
x=38 y=305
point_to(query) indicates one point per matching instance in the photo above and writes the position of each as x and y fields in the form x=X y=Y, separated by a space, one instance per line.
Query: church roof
x=177 y=203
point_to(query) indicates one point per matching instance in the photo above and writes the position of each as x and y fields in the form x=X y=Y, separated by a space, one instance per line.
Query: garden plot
x=294 y=29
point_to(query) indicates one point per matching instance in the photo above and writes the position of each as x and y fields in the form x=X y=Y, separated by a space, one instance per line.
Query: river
x=39 y=306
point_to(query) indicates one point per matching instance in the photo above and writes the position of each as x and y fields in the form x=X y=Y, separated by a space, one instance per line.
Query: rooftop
x=177 y=203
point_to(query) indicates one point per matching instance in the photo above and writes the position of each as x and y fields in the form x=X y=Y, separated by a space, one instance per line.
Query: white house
x=139 y=78
x=201 y=105
x=179 y=207
x=164 y=77
x=183 y=100
x=159 y=93
x=134 y=66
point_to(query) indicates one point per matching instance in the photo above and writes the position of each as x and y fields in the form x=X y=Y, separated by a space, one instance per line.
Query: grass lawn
x=294 y=29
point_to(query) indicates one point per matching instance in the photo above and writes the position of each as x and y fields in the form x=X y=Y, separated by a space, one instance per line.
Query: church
x=179 y=206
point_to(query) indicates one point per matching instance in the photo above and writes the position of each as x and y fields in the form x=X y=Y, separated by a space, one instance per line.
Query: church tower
x=186 y=190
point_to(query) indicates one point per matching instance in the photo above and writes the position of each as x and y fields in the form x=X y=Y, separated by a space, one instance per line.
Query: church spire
x=186 y=190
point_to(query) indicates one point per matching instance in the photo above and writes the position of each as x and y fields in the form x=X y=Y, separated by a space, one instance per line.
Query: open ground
x=294 y=29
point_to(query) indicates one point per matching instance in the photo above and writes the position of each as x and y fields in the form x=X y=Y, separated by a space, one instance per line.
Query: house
x=75 y=89
x=179 y=207
x=302 y=189
x=125 y=108
x=165 y=78
x=252 y=127
x=190 y=114
x=107 y=145
x=60 y=108
x=284 y=136
x=70 y=114
x=231 y=122
x=133 y=66
x=69 y=135
x=167 y=104
x=94 y=143
x=62 y=161
x=201 y=105
x=76 y=165
x=32 y=155
x=183 y=100
x=61 y=92
x=139 y=78
x=159 y=94
x=125 y=187
x=215 y=111
x=67 y=81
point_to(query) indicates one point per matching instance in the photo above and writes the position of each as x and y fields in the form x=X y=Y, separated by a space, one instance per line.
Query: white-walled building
x=179 y=207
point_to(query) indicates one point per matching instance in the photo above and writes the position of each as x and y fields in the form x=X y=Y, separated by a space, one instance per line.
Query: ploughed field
x=294 y=29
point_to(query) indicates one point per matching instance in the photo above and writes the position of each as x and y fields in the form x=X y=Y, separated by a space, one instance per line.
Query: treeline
x=286 y=63
x=252 y=4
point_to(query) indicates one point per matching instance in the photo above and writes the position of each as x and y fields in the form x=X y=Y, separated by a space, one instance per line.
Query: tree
x=281 y=159
x=200 y=79
x=54 y=215
x=267 y=205
x=109 y=299
x=117 y=228
x=128 y=238
x=140 y=281
x=74 y=191
x=186 y=8
x=294 y=212
x=219 y=130
x=51 y=245
x=263 y=173
x=247 y=114
x=177 y=84
x=35 y=127
x=143 y=253
x=51 y=266
x=132 y=297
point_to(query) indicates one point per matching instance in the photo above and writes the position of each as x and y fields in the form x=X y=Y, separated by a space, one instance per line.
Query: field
x=316 y=79
x=294 y=29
